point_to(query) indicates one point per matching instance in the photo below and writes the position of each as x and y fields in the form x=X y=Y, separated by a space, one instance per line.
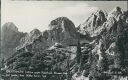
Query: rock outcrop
x=55 y=58
x=109 y=47
x=101 y=42
x=10 y=37
x=62 y=30
x=48 y=45
x=93 y=25
x=32 y=42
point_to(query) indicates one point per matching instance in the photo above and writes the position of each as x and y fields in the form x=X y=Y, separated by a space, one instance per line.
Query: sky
x=28 y=15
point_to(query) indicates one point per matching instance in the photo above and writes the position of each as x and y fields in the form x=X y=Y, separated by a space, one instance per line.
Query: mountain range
x=98 y=45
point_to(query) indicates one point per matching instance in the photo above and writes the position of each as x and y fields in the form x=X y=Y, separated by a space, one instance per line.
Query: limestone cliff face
x=115 y=26
x=33 y=42
x=115 y=38
x=103 y=45
x=10 y=37
x=51 y=45
x=62 y=30
x=106 y=29
x=115 y=35
x=93 y=25
x=109 y=46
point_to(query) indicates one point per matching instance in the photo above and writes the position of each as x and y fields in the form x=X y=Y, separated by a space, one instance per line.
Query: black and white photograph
x=64 y=40
x=68 y=0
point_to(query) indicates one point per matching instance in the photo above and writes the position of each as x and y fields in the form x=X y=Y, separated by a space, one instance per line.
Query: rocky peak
x=115 y=13
x=124 y=17
x=57 y=21
x=30 y=37
x=62 y=30
x=35 y=32
x=63 y=24
x=116 y=21
x=117 y=9
x=101 y=15
x=33 y=42
x=92 y=25
x=9 y=26
x=10 y=38
x=115 y=35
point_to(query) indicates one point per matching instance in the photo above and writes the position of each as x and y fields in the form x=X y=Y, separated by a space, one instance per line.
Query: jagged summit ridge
x=63 y=24
x=9 y=26
x=30 y=38
x=34 y=34
x=93 y=23
x=62 y=30
x=115 y=13
x=10 y=38
x=106 y=49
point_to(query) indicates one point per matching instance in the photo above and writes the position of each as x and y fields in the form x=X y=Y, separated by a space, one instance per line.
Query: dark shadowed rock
x=10 y=38
x=103 y=45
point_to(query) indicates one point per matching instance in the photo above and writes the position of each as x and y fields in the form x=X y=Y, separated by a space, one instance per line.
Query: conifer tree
x=78 y=55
